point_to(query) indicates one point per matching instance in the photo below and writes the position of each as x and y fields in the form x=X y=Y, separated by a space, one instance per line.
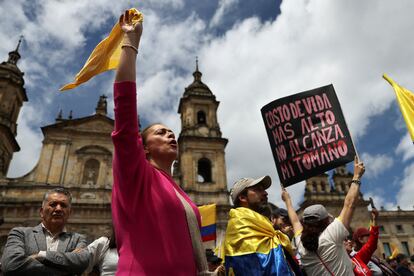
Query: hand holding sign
x=285 y=195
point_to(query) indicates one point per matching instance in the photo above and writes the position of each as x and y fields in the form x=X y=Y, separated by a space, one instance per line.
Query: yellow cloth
x=406 y=101
x=395 y=251
x=208 y=214
x=250 y=232
x=106 y=54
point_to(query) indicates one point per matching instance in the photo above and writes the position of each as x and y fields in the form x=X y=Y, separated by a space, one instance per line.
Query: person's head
x=212 y=260
x=280 y=221
x=112 y=238
x=56 y=209
x=159 y=143
x=402 y=260
x=360 y=237
x=348 y=244
x=392 y=262
x=315 y=219
x=251 y=193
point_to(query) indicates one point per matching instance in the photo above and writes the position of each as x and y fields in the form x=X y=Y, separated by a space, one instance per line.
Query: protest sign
x=308 y=134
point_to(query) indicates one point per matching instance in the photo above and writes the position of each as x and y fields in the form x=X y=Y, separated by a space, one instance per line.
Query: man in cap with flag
x=252 y=246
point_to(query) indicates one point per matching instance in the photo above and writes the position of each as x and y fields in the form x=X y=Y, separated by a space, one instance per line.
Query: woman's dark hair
x=112 y=239
x=311 y=233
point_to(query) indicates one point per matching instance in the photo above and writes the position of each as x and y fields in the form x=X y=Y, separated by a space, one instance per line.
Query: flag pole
x=356 y=151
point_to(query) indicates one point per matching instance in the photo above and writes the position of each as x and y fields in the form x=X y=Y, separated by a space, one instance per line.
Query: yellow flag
x=406 y=101
x=106 y=54
x=395 y=251
x=208 y=214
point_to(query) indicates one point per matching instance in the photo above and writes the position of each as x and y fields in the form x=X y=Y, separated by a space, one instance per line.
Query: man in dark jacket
x=46 y=249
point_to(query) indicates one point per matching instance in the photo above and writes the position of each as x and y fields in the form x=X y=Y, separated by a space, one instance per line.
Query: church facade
x=77 y=154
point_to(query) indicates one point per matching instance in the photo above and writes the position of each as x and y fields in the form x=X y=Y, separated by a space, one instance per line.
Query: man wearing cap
x=252 y=246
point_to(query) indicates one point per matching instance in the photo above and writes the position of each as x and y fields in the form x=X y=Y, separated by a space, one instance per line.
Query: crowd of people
x=156 y=226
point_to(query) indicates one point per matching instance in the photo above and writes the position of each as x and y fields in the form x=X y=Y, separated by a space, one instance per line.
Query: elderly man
x=252 y=246
x=46 y=249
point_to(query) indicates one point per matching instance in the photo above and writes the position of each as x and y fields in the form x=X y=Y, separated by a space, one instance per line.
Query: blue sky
x=251 y=52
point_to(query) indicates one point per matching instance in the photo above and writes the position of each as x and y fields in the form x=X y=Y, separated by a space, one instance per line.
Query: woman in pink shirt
x=156 y=223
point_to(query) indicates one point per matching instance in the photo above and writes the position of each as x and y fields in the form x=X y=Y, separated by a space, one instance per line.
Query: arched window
x=204 y=170
x=90 y=172
x=2 y=164
x=343 y=187
x=201 y=117
x=314 y=187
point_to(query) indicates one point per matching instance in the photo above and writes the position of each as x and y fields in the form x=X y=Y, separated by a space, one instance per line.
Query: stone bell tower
x=201 y=166
x=12 y=96
x=318 y=190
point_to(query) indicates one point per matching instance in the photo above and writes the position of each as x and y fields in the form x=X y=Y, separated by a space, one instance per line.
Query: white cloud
x=405 y=148
x=376 y=164
x=29 y=141
x=224 y=6
x=379 y=200
x=54 y=36
x=312 y=43
x=405 y=195
x=309 y=45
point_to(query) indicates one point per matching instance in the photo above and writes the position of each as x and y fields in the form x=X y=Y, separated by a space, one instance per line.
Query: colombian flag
x=406 y=101
x=208 y=222
x=253 y=247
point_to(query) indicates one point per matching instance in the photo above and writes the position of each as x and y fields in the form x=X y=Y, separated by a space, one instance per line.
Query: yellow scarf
x=106 y=54
x=250 y=232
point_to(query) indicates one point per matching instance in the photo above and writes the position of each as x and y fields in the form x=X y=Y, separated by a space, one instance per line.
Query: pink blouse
x=150 y=223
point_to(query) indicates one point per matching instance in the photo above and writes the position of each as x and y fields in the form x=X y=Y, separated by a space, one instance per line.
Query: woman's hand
x=359 y=169
x=285 y=195
x=127 y=26
x=132 y=30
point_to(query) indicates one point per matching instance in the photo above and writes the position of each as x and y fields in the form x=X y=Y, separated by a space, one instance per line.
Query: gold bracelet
x=130 y=46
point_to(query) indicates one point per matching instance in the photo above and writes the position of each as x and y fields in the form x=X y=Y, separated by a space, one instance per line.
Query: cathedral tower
x=12 y=96
x=201 y=167
x=318 y=190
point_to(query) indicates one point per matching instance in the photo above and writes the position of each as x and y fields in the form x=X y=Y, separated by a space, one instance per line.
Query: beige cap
x=244 y=183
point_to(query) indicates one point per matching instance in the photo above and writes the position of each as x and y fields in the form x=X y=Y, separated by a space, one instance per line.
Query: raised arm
x=365 y=253
x=132 y=35
x=352 y=195
x=294 y=219
x=129 y=153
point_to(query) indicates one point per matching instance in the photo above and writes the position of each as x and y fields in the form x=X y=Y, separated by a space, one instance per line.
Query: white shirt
x=52 y=242
x=331 y=250
x=102 y=256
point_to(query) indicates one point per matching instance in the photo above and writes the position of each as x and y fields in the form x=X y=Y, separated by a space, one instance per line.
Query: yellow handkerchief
x=106 y=54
